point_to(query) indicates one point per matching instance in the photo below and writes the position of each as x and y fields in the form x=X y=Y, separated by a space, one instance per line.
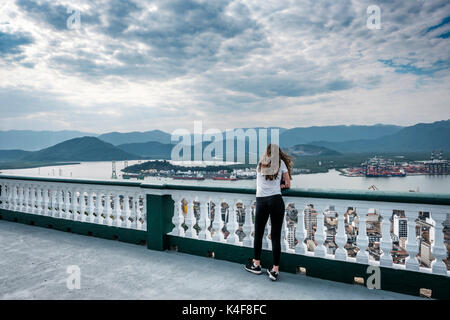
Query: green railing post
x=159 y=221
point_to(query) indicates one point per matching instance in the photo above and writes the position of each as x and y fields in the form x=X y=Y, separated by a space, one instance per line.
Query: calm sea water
x=332 y=179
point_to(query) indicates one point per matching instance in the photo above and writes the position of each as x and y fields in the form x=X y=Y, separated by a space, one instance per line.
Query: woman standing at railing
x=273 y=174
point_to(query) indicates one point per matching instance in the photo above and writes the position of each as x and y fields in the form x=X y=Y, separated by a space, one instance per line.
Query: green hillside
x=80 y=149
x=302 y=150
x=151 y=150
x=119 y=138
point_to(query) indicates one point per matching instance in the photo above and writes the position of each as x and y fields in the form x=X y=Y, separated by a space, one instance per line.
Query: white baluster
x=126 y=223
x=53 y=197
x=66 y=204
x=46 y=200
x=91 y=207
x=362 y=240
x=32 y=198
x=39 y=200
x=190 y=221
x=178 y=217
x=300 y=232
x=284 y=233
x=5 y=188
x=57 y=199
x=3 y=195
x=386 y=240
x=108 y=212
x=74 y=203
x=20 y=190
x=319 y=235
x=26 y=200
x=99 y=208
x=137 y=211
x=143 y=211
x=232 y=224
x=11 y=196
x=438 y=247
x=22 y=207
x=117 y=210
x=15 y=198
x=341 y=236
x=132 y=214
x=33 y=208
x=411 y=243
x=9 y=187
x=218 y=222
x=49 y=201
x=52 y=201
x=18 y=199
x=6 y=196
x=26 y=195
x=248 y=226
x=60 y=205
x=204 y=220
x=82 y=216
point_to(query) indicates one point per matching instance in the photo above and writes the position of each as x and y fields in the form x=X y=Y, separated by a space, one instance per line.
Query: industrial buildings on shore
x=381 y=167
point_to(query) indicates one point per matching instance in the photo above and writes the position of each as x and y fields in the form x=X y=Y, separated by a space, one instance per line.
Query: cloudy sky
x=139 y=65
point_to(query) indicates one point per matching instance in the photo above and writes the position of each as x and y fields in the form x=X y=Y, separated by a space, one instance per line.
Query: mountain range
x=309 y=135
x=156 y=144
x=420 y=137
x=29 y=140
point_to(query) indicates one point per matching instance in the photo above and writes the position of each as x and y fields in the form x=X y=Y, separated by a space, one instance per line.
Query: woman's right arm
x=287 y=181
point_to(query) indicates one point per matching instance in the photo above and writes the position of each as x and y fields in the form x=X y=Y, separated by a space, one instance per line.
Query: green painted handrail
x=383 y=196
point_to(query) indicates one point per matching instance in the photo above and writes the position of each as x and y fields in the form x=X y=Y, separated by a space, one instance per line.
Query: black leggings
x=272 y=206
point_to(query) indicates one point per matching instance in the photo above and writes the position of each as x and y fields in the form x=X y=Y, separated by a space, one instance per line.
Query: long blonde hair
x=268 y=164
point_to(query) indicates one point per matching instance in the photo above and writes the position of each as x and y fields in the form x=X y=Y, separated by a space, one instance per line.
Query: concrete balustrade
x=75 y=201
x=335 y=234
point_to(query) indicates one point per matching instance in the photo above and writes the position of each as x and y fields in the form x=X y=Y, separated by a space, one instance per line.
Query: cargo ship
x=386 y=173
x=128 y=176
x=189 y=177
x=225 y=178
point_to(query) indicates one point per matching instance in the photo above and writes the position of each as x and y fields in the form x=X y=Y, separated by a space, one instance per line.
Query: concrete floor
x=34 y=261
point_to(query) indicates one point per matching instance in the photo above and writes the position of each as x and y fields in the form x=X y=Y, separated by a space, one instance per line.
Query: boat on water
x=133 y=176
x=189 y=177
x=386 y=173
x=225 y=178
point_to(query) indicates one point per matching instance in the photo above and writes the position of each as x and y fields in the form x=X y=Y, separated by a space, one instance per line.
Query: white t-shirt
x=266 y=187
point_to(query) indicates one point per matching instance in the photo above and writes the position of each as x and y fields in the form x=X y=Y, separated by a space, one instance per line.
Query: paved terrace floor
x=34 y=260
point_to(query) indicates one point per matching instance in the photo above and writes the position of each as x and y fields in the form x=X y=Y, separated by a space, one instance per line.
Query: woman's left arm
x=287 y=181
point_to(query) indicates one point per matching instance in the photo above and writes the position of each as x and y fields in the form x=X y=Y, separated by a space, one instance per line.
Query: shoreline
x=12 y=166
